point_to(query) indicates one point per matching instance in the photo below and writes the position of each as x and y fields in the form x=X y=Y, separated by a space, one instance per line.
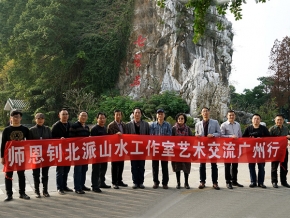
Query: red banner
x=31 y=154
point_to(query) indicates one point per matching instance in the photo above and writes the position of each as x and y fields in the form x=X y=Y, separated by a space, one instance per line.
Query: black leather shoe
x=275 y=185
x=86 y=188
x=80 y=192
x=285 y=185
x=115 y=187
x=8 y=198
x=46 y=194
x=216 y=186
x=252 y=185
x=135 y=186
x=122 y=184
x=262 y=186
x=104 y=185
x=229 y=186
x=37 y=194
x=24 y=196
x=61 y=192
x=186 y=186
x=156 y=185
x=67 y=189
x=141 y=186
x=165 y=186
x=201 y=185
x=237 y=184
x=97 y=190
x=178 y=186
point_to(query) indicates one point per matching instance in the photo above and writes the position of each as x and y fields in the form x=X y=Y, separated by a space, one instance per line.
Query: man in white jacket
x=208 y=128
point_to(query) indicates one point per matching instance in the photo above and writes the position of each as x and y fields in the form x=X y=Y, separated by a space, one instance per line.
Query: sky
x=254 y=37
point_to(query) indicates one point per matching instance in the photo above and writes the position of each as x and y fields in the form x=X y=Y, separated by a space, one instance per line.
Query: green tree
x=169 y=101
x=280 y=73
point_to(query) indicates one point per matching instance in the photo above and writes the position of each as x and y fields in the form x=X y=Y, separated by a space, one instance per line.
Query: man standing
x=99 y=169
x=256 y=130
x=280 y=130
x=117 y=127
x=160 y=127
x=231 y=129
x=80 y=129
x=60 y=130
x=14 y=132
x=139 y=127
x=209 y=128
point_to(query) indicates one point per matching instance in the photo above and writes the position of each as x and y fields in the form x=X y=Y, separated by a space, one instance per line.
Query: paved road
x=127 y=202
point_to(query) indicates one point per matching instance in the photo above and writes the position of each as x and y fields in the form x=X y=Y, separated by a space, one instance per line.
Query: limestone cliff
x=161 y=56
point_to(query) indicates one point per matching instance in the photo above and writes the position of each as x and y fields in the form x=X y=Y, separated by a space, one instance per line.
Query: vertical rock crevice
x=161 y=56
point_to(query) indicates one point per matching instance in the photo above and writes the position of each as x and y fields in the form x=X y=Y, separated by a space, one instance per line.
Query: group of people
x=207 y=127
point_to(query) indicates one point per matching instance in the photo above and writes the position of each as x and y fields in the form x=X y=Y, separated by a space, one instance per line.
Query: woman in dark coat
x=40 y=131
x=181 y=129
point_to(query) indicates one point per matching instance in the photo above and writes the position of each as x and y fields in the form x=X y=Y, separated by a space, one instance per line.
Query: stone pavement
x=127 y=202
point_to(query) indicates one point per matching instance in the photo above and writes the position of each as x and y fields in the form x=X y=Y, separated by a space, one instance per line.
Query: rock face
x=161 y=56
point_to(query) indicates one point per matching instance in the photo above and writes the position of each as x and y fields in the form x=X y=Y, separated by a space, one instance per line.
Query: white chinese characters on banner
x=155 y=148
x=229 y=150
x=168 y=149
x=71 y=150
x=199 y=150
x=89 y=150
x=121 y=148
x=54 y=152
x=213 y=148
x=16 y=155
x=270 y=148
x=35 y=155
x=183 y=147
x=106 y=152
x=137 y=152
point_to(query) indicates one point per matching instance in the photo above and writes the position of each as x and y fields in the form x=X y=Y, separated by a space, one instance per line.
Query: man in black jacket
x=60 y=130
x=80 y=129
x=99 y=169
x=256 y=130
x=14 y=132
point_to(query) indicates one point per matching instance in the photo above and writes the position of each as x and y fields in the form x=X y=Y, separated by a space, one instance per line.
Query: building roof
x=14 y=104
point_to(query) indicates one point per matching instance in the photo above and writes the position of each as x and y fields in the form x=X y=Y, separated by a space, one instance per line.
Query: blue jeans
x=138 y=170
x=61 y=177
x=261 y=173
x=80 y=176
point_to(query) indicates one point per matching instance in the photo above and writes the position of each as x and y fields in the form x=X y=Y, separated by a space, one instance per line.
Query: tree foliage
x=280 y=73
x=48 y=47
x=169 y=101
x=257 y=100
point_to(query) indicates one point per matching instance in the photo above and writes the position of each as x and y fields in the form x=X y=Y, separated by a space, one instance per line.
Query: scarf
x=181 y=129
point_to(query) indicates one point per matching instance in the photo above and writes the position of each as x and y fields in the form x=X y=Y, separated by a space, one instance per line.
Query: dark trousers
x=214 y=172
x=185 y=177
x=98 y=174
x=283 y=170
x=165 y=174
x=231 y=172
x=44 y=178
x=117 y=172
x=261 y=172
x=61 y=177
x=21 y=181
x=80 y=176
x=138 y=170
